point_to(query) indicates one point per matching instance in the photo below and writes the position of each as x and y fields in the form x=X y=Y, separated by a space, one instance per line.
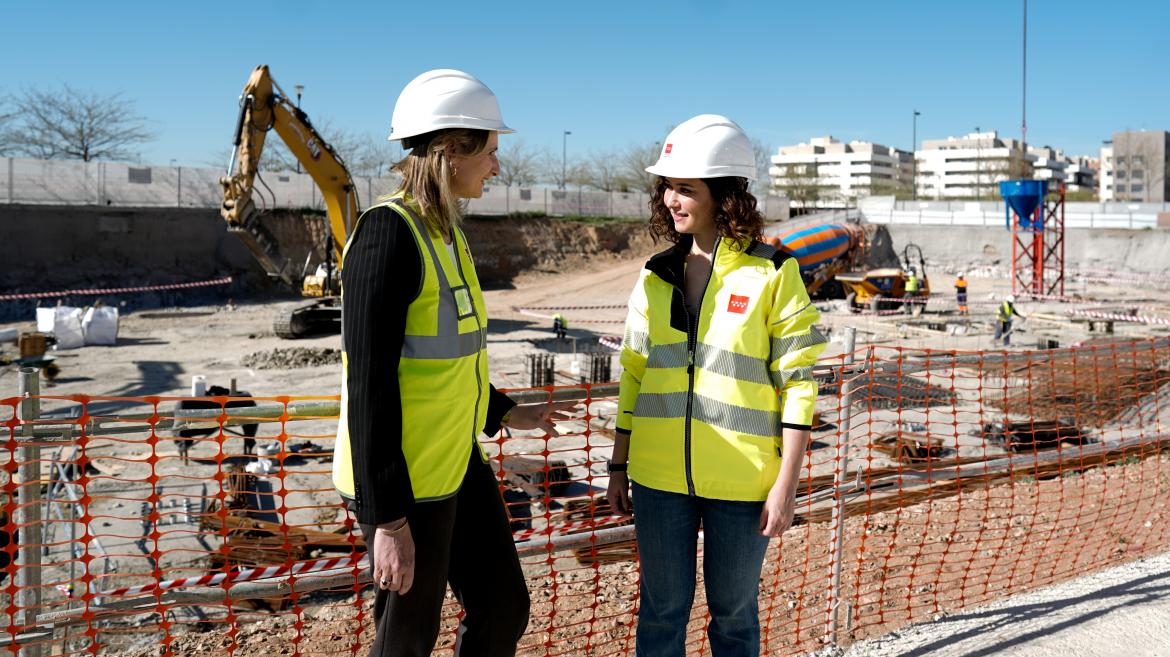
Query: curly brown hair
x=736 y=215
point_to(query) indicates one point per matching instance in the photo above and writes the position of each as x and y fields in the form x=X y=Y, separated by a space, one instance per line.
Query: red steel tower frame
x=1038 y=253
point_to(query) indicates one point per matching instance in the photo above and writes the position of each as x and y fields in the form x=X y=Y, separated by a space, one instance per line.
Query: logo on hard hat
x=738 y=304
x=667 y=150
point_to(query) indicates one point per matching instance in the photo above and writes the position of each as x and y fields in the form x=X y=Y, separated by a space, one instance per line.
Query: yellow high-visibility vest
x=706 y=398
x=443 y=370
x=1006 y=310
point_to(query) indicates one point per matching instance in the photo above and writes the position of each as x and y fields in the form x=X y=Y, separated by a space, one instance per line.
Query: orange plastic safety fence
x=935 y=481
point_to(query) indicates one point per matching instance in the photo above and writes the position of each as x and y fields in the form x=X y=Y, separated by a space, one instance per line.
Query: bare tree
x=555 y=170
x=632 y=163
x=580 y=174
x=519 y=163
x=6 y=120
x=602 y=171
x=801 y=184
x=374 y=156
x=73 y=124
x=763 y=184
x=363 y=155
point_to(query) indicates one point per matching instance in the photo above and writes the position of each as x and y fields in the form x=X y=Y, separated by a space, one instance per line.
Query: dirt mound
x=292 y=358
x=505 y=247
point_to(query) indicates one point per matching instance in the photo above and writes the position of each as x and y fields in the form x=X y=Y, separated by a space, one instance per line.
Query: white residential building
x=1105 y=174
x=1081 y=174
x=1048 y=164
x=829 y=173
x=970 y=167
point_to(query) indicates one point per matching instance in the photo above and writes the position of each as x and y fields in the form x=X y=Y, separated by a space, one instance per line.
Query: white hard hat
x=962 y=274
x=1011 y=298
x=445 y=98
x=706 y=146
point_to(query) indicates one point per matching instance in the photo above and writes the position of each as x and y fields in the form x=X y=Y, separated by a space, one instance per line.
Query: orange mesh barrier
x=935 y=481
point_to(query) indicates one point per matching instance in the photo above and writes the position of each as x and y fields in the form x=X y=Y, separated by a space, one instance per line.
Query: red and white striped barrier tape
x=611 y=341
x=115 y=290
x=565 y=529
x=612 y=306
x=356 y=559
x=243 y=575
x=1143 y=319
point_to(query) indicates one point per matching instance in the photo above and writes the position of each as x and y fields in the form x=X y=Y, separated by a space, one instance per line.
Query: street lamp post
x=564 y=160
x=300 y=89
x=914 y=156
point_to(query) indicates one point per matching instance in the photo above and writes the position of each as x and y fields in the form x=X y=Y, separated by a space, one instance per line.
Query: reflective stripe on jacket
x=443 y=370
x=705 y=398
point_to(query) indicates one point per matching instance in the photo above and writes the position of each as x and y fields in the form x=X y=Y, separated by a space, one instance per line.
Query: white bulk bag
x=100 y=325
x=67 y=327
x=45 y=319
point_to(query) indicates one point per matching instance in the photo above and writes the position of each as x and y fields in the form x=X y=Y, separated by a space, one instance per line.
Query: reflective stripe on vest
x=449 y=342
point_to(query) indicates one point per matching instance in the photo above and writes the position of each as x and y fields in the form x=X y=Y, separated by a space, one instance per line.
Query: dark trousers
x=463 y=541
x=1004 y=329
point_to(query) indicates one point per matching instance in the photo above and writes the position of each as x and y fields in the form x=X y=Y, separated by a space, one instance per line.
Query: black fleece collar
x=670 y=264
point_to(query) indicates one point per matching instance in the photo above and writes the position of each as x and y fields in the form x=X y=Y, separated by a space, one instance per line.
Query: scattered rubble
x=292 y=358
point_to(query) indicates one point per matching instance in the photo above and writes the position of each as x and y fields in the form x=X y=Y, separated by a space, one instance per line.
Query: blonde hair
x=426 y=174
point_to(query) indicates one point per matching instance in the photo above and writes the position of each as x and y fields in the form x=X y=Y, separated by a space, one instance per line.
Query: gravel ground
x=1123 y=610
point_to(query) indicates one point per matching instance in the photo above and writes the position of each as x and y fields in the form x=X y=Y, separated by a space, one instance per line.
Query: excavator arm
x=264 y=106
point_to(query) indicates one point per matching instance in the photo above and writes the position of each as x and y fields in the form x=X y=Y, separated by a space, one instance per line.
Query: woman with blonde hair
x=415 y=390
x=716 y=397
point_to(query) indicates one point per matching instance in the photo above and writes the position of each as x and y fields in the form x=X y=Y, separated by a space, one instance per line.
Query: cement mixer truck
x=824 y=251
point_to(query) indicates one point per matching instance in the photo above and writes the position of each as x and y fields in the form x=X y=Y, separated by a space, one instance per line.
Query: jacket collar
x=670 y=264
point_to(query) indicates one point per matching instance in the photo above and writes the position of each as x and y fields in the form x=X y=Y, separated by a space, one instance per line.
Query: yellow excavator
x=264 y=106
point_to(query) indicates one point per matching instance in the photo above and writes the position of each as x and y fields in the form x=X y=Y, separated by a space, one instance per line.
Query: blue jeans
x=1004 y=329
x=667 y=526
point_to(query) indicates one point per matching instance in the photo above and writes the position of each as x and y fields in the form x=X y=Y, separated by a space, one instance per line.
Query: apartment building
x=1081 y=174
x=1105 y=173
x=972 y=166
x=1140 y=162
x=827 y=173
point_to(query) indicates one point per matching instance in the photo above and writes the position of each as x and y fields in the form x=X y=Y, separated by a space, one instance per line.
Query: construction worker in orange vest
x=961 y=293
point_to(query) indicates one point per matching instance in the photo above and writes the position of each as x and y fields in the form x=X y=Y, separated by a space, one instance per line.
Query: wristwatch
x=610 y=466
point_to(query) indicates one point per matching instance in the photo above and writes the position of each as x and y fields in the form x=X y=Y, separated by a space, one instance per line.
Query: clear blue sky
x=618 y=73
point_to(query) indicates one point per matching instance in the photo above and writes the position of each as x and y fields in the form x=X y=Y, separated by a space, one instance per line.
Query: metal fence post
x=840 y=476
x=28 y=512
x=179 y=187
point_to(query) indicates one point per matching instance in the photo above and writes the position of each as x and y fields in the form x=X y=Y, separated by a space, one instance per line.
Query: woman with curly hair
x=716 y=396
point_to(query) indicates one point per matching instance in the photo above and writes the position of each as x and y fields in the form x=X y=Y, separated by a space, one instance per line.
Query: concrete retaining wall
x=54 y=248
x=1144 y=251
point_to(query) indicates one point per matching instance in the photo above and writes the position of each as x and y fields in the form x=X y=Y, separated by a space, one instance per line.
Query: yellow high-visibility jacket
x=704 y=399
x=442 y=373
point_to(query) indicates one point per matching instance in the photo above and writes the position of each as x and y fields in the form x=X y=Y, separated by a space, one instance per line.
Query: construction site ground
x=159 y=350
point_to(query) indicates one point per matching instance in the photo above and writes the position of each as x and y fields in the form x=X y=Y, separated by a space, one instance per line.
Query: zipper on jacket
x=692 y=344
